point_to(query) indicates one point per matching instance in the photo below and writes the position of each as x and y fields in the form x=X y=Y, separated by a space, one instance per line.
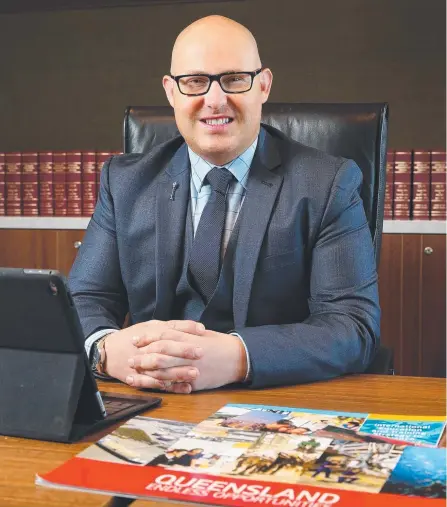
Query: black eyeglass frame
x=216 y=77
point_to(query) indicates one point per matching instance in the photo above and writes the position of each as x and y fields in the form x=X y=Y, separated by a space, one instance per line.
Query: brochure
x=247 y=455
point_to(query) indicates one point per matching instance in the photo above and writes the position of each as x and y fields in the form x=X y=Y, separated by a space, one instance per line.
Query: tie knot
x=219 y=179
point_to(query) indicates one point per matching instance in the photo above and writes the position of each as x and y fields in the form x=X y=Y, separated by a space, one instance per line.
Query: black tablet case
x=43 y=365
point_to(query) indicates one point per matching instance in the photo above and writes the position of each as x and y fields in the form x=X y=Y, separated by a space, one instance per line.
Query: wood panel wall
x=412 y=288
x=34 y=248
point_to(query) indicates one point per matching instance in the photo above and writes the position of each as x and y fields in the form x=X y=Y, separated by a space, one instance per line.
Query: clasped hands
x=177 y=356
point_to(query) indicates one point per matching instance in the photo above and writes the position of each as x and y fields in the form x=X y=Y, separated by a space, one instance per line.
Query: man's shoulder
x=153 y=160
x=314 y=170
x=292 y=151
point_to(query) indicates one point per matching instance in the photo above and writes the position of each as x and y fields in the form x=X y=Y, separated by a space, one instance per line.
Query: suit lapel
x=170 y=230
x=262 y=189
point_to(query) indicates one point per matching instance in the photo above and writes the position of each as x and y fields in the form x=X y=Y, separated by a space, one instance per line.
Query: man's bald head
x=220 y=122
x=216 y=34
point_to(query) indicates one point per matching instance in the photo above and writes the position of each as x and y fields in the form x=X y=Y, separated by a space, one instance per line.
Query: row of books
x=50 y=183
x=415 y=185
x=66 y=184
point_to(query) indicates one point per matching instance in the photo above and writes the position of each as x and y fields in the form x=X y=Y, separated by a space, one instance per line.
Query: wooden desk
x=21 y=459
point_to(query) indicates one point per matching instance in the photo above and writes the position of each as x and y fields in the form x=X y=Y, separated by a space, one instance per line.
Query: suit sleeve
x=342 y=331
x=95 y=278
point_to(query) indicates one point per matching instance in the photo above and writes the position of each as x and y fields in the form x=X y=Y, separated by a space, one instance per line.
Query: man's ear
x=266 y=79
x=168 y=85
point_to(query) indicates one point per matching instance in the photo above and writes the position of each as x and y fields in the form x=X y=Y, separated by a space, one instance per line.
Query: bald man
x=240 y=255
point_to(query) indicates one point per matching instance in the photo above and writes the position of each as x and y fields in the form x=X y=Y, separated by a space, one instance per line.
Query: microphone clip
x=175 y=186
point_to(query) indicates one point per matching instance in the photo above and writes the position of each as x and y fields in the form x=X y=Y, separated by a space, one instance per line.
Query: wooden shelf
x=67 y=223
x=414 y=227
x=44 y=222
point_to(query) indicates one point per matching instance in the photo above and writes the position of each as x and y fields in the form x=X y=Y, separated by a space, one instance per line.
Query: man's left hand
x=224 y=360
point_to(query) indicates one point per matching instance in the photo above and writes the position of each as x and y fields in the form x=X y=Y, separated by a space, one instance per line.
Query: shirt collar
x=239 y=167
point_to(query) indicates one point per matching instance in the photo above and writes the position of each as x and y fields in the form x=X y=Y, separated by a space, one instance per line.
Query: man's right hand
x=119 y=347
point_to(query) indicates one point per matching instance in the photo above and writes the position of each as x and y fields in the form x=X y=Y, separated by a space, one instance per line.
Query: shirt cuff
x=248 y=375
x=91 y=340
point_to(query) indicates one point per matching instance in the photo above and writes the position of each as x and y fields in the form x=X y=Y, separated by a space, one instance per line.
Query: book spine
x=388 y=211
x=46 y=191
x=402 y=185
x=59 y=183
x=88 y=177
x=2 y=185
x=421 y=185
x=74 y=185
x=13 y=182
x=438 y=185
x=30 y=184
x=101 y=157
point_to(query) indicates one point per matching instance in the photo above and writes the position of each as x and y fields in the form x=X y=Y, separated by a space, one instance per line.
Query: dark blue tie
x=205 y=260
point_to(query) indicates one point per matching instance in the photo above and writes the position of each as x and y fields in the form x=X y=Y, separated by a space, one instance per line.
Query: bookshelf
x=79 y=223
x=414 y=227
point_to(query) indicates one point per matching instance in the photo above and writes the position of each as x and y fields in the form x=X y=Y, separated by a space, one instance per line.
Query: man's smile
x=216 y=123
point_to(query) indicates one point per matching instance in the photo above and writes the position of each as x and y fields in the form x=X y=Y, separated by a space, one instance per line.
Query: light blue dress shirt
x=201 y=191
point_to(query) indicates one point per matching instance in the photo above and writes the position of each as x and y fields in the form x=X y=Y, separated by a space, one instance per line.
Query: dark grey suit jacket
x=305 y=297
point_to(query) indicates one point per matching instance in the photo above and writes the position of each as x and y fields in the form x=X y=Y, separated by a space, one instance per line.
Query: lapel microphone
x=175 y=186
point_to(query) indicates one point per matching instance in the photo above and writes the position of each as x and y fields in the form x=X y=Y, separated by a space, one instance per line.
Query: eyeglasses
x=230 y=82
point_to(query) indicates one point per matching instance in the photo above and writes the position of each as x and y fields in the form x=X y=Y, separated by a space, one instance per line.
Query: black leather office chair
x=355 y=131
